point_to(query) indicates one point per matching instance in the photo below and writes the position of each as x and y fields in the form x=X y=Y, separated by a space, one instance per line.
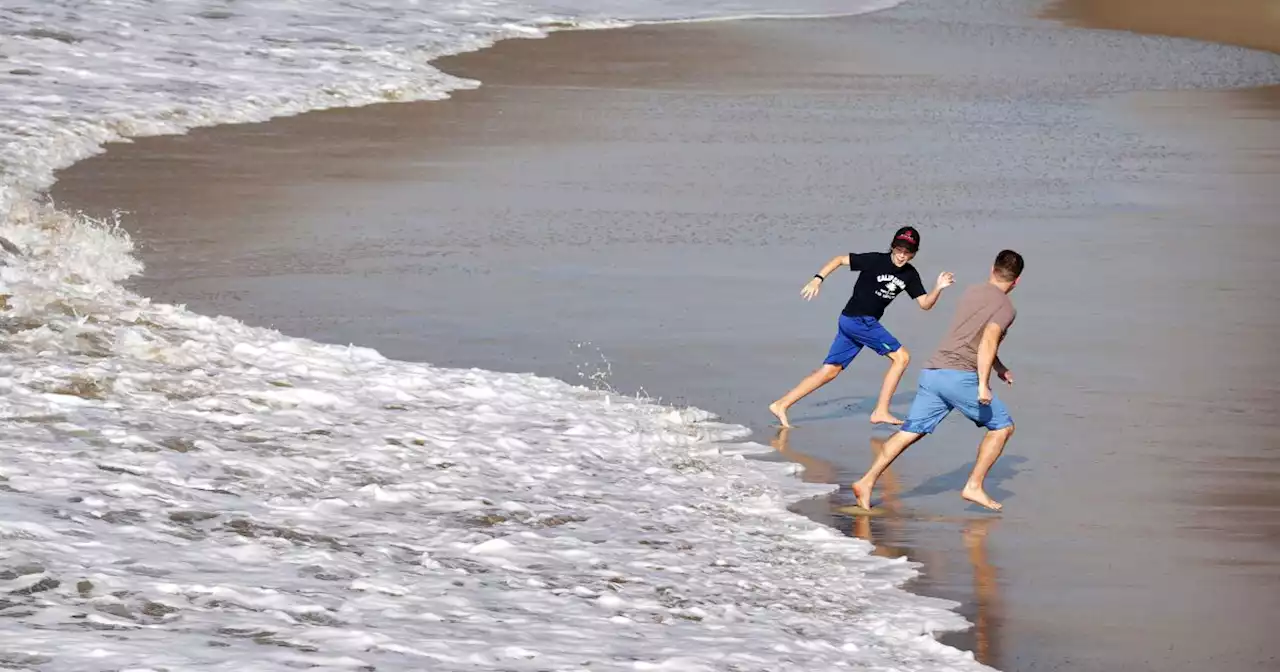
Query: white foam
x=76 y=75
x=223 y=497
x=409 y=532
x=183 y=491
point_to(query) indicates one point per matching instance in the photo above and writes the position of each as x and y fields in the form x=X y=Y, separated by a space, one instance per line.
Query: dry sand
x=662 y=193
x=1249 y=23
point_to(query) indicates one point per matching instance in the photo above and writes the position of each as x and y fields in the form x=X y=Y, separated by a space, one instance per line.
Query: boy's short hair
x=1008 y=265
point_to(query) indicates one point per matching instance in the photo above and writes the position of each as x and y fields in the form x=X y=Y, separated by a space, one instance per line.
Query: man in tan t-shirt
x=957 y=376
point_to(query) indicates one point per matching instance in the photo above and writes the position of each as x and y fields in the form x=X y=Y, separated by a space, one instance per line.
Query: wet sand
x=662 y=194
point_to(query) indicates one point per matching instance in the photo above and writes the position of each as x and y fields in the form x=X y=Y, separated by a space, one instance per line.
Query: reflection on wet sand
x=986 y=592
x=893 y=533
x=815 y=470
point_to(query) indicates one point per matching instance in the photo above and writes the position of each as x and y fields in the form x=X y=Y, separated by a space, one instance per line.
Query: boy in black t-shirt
x=881 y=276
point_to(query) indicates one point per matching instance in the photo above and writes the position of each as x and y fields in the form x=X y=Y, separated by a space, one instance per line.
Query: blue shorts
x=941 y=390
x=855 y=332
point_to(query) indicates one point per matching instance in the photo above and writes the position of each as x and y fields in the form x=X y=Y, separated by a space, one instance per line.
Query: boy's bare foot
x=979 y=496
x=862 y=492
x=879 y=417
x=777 y=409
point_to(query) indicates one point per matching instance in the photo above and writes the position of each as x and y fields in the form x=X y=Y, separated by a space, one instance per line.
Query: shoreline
x=508 y=138
x=937 y=611
x=907 y=622
x=810 y=506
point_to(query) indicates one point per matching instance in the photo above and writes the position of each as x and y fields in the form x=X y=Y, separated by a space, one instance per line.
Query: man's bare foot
x=777 y=409
x=979 y=496
x=862 y=492
x=879 y=417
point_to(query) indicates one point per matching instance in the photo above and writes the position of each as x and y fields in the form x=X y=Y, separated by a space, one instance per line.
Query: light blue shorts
x=941 y=390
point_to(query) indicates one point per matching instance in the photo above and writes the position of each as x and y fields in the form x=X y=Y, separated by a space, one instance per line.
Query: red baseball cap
x=907 y=237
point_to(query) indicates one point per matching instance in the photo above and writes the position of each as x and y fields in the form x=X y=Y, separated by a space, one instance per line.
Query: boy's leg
x=820 y=376
x=898 y=361
x=963 y=392
x=927 y=410
x=875 y=336
x=843 y=349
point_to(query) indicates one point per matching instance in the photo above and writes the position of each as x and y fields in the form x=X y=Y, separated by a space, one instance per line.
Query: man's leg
x=999 y=425
x=898 y=361
x=927 y=410
x=892 y=448
x=988 y=451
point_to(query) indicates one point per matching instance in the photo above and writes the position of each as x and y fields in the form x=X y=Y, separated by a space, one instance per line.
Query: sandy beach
x=1248 y=23
x=640 y=208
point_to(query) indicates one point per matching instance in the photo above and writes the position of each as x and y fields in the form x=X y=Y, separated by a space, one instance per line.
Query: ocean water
x=179 y=491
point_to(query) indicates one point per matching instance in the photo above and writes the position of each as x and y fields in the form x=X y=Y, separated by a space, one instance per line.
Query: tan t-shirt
x=978 y=306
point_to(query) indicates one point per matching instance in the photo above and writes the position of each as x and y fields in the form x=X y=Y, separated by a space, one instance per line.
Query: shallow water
x=650 y=226
x=182 y=490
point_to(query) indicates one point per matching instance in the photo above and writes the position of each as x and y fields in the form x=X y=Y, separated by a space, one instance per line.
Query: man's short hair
x=1008 y=265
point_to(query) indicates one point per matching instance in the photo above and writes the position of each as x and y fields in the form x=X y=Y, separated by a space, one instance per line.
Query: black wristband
x=816 y=275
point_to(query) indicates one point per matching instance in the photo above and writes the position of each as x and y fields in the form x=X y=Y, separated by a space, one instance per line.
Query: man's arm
x=927 y=301
x=810 y=289
x=987 y=348
x=1002 y=371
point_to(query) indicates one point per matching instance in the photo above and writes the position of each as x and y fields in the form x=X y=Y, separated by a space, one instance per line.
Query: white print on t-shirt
x=892 y=285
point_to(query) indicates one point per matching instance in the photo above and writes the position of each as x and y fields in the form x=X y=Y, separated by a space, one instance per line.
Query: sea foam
x=188 y=492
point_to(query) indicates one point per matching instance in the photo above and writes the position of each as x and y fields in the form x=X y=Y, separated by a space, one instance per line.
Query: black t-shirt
x=879 y=281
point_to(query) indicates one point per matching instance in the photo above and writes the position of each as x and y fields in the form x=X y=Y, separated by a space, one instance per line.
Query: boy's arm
x=927 y=301
x=836 y=262
x=987 y=348
x=811 y=288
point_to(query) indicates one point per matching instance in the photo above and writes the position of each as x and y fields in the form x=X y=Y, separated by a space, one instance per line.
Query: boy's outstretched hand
x=811 y=289
x=946 y=279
